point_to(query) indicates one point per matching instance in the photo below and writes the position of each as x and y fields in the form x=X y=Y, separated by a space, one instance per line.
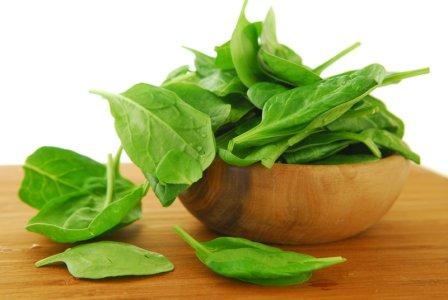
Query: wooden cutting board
x=404 y=256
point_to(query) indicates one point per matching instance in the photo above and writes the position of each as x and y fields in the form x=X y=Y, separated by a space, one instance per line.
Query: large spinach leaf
x=256 y=263
x=152 y=121
x=291 y=112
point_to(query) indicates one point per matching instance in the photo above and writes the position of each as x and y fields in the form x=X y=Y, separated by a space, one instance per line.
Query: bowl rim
x=383 y=160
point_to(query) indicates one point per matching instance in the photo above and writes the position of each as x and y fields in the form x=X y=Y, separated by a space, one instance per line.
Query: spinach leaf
x=286 y=71
x=224 y=57
x=165 y=192
x=52 y=172
x=269 y=41
x=240 y=107
x=261 y=92
x=392 y=142
x=256 y=263
x=177 y=167
x=244 y=48
x=109 y=259
x=324 y=144
x=318 y=70
x=176 y=73
x=86 y=214
x=202 y=100
x=152 y=121
x=296 y=111
x=377 y=116
x=205 y=65
x=223 y=83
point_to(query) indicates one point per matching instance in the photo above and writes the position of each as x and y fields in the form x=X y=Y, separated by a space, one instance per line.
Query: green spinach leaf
x=293 y=111
x=109 y=259
x=202 y=100
x=152 y=121
x=261 y=92
x=256 y=263
x=244 y=48
x=86 y=214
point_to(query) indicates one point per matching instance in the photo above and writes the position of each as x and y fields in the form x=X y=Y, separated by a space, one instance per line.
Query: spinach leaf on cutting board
x=256 y=263
x=89 y=213
x=109 y=259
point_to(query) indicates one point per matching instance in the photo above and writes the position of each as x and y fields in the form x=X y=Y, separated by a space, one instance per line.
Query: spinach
x=269 y=41
x=256 y=263
x=244 y=48
x=153 y=121
x=51 y=172
x=222 y=83
x=165 y=192
x=376 y=116
x=176 y=73
x=290 y=112
x=109 y=259
x=280 y=62
x=205 y=65
x=88 y=213
x=202 y=100
x=261 y=92
x=324 y=144
x=224 y=57
x=390 y=141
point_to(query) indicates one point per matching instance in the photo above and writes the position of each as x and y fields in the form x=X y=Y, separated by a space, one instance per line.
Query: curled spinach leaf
x=109 y=259
x=256 y=263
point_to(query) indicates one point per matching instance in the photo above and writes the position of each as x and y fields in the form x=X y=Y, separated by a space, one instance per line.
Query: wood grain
x=296 y=204
x=404 y=256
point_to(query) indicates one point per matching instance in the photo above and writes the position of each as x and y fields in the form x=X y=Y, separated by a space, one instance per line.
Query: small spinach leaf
x=261 y=92
x=256 y=263
x=244 y=48
x=109 y=259
x=224 y=57
x=392 y=142
x=165 y=192
x=205 y=65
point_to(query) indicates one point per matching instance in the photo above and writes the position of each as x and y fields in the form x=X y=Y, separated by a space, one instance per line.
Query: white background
x=53 y=52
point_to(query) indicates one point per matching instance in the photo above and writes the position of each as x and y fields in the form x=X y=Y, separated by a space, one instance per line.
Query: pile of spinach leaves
x=255 y=101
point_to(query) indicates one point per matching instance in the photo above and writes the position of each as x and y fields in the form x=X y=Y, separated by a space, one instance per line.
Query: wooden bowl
x=296 y=204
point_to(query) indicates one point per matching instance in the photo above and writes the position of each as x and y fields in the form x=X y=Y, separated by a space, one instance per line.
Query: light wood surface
x=296 y=204
x=405 y=255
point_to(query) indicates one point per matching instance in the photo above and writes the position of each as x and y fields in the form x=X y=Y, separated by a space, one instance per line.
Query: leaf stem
x=398 y=76
x=191 y=241
x=110 y=173
x=318 y=70
x=49 y=260
x=117 y=160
